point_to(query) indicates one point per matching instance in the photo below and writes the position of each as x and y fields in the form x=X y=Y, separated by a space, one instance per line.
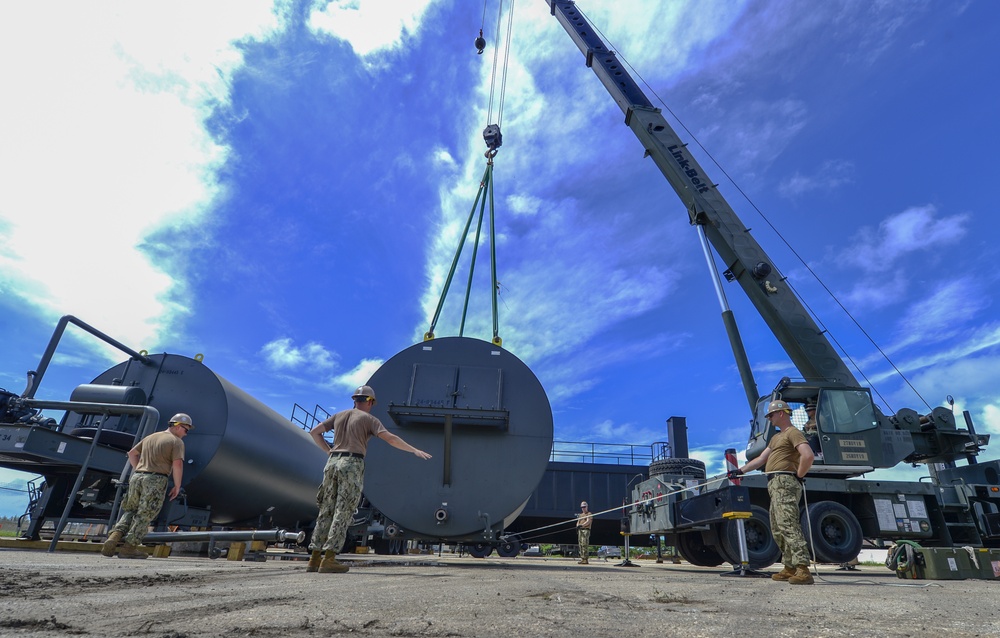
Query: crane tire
x=833 y=531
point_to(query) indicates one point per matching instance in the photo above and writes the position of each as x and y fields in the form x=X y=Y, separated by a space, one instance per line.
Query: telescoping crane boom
x=853 y=435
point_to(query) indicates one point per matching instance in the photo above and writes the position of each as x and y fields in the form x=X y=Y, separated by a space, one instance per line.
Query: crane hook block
x=492 y=136
x=480 y=43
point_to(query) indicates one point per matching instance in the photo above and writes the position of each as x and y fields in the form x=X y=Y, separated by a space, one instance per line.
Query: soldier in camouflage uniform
x=344 y=476
x=788 y=458
x=156 y=457
x=584 y=520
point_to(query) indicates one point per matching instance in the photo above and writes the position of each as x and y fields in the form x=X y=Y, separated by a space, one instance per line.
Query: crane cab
x=847 y=432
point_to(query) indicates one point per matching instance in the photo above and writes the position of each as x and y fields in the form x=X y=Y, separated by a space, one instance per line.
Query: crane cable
x=520 y=536
x=853 y=319
x=496 y=58
x=493 y=139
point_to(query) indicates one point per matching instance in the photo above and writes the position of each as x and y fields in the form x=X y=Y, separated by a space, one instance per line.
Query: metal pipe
x=35 y=376
x=276 y=535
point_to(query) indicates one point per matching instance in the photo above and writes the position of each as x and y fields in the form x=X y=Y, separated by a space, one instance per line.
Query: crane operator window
x=845 y=411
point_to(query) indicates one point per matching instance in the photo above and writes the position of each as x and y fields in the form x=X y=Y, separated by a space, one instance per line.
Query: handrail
x=35 y=376
x=601 y=453
x=150 y=419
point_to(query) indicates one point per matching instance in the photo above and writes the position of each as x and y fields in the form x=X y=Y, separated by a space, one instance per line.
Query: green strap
x=454 y=262
x=485 y=185
x=487 y=178
x=493 y=266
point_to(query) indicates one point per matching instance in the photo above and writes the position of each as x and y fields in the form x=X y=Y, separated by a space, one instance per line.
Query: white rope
x=615 y=509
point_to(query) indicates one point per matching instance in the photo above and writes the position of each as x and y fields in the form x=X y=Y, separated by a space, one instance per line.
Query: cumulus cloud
x=282 y=354
x=522 y=204
x=359 y=375
x=990 y=418
x=130 y=158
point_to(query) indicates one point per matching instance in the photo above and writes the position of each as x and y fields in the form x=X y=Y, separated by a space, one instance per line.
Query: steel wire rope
x=475 y=248
x=506 y=59
x=521 y=534
x=496 y=58
x=486 y=184
x=783 y=240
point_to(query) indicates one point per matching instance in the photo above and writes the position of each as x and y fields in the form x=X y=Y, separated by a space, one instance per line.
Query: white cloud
x=525 y=205
x=281 y=354
x=370 y=26
x=443 y=159
x=873 y=293
x=912 y=230
x=359 y=375
x=989 y=421
x=105 y=145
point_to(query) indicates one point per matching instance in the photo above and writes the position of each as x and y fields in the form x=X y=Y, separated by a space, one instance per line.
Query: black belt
x=777 y=474
x=353 y=455
x=156 y=473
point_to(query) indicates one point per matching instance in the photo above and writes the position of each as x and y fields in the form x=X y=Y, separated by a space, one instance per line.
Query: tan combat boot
x=583 y=561
x=129 y=550
x=111 y=544
x=784 y=574
x=314 y=561
x=329 y=565
x=802 y=576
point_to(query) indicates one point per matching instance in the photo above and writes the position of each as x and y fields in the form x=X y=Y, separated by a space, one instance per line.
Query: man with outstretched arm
x=344 y=476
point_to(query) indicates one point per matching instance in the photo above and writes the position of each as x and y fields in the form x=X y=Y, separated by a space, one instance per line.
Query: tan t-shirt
x=584 y=521
x=784 y=457
x=158 y=451
x=352 y=429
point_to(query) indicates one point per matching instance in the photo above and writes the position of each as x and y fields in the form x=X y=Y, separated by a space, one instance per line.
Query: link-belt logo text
x=685 y=165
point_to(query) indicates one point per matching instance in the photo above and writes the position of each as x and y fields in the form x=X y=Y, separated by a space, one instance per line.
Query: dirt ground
x=74 y=594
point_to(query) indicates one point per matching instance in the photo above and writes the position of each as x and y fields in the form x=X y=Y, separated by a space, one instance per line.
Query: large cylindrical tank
x=483 y=416
x=243 y=460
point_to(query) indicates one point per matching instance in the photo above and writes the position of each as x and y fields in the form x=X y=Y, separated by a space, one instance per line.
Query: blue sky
x=281 y=186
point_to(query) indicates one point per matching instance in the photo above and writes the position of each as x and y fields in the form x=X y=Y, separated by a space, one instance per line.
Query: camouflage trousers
x=786 y=492
x=338 y=496
x=583 y=535
x=141 y=505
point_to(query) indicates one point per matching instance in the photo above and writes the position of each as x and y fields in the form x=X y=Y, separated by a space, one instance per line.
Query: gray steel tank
x=243 y=460
x=486 y=420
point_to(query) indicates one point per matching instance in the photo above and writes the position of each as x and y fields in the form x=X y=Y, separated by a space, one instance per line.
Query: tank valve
x=391 y=531
x=441 y=514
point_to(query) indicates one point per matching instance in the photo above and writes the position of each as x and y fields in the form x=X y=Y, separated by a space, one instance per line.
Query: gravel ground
x=71 y=594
